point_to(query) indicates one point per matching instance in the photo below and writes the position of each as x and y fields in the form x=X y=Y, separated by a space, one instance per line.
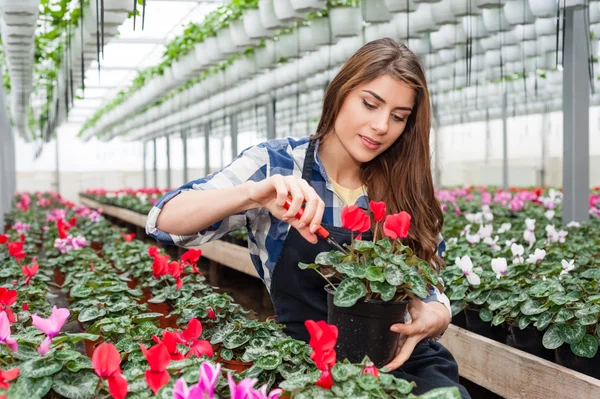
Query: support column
x=168 y=161
x=233 y=122
x=57 y=164
x=488 y=137
x=437 y=172
x=185 y=156
x=155 y=165
x=206 y=149
x=576 y=111
x=144 y=173
x=7 y=161
x=544 y=145
x=271 y=129
x=504 y=141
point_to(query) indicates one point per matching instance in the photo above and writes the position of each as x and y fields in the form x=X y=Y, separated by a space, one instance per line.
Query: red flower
x=22 y=238
x=191 y=257
x=160 y=266
x=158 y=360
x=211 y=314
x=379 y=210
x=6 y=376
x=371 y=369
x=323 y=337
x=62 y=229
x=25 y=307
x=190 y=335
x=15 y=249
x=29 y=272
x=8 y=298
x=355 y=219
x=107 y=364
x=326 y=381
x=175 y=270
x=170 y=341
x=72 y=221
x=397 y=225
x=128 y=237
x=152 y=252
x=3 y=239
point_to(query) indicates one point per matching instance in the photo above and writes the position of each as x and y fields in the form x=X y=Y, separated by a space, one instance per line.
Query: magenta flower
x=50 y=326
x=243 y=389
x=5 y=333
x=181 y=391
x=262 y=393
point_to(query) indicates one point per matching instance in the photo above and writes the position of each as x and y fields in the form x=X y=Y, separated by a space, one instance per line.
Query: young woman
x=373 y=138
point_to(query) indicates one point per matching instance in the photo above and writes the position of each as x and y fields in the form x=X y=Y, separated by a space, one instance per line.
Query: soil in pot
x=460 y=320
x=565 y=357
x=529 y=340
x=162 y=308
x=234 y=365
x=486 y=329
x=59 y=277
x=364 y=329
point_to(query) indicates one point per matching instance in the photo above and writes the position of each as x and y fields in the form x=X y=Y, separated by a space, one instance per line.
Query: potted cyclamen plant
x=370 y=286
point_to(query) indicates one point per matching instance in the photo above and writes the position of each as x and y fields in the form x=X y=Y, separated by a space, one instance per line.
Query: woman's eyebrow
x=383 y=101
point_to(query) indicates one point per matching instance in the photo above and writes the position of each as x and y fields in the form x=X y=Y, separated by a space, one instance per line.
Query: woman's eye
x=398 y=118
x=370 y=106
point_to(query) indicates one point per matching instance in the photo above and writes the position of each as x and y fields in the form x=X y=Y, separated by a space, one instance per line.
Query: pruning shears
x=320 y=232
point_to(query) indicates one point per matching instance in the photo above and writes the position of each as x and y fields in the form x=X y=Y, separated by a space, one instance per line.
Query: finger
x=409 y=329
x=280 y=189
x=304 y=231
x=312 y=199
x=297 y=197
x=405 y=352
x=316 y=222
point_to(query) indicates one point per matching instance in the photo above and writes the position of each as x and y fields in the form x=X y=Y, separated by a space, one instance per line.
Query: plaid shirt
x=266 y=234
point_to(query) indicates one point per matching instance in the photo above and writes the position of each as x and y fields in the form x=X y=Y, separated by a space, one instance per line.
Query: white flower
x=474 y=217
x=574 y=224
x=452 y=241
x=466 y=266
x=504 y=228
x=485 y=230
x=499 y=266
x=473 y=238
x=530 y=223
x=567 y=266
x=517 y=250
x=550 y=229
x=509 y=243
x=492 y=243
x=485 y=208
x=554 y=194
x=538 y=256
x=529 y=237
x=549 y=214
x=562 y=235
x=466 y=230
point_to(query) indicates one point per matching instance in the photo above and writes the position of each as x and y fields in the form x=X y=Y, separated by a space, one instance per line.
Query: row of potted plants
x=149 y=323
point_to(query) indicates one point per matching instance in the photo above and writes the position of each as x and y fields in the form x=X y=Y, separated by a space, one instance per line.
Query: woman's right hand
x=272 y=192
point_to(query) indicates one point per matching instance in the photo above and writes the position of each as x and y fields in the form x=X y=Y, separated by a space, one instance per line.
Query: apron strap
x=309 y=160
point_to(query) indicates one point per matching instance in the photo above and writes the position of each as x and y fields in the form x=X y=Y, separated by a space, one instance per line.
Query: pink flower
x=243 y=389
x=50 y=326
x=5 y=333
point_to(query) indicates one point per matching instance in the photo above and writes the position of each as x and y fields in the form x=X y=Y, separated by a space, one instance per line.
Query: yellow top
x=349 y=196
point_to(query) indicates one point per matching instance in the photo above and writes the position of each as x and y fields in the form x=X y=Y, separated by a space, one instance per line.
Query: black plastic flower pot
x=486 y=329
x=530 y=340
x=364 y=329
x=566 y=357
x=459 y=319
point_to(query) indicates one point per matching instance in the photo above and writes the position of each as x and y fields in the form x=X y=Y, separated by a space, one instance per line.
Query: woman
x=373 y=137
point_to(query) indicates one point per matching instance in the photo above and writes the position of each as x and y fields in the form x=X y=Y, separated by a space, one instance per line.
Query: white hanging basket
x=265 y=56
x=209 y=50
x=517 y=12
x=427 y=1
x=492 y=58
x=395 y=6
x=254 y=27
x=461 y=8
x=21 y=12
x=547 y=44
x=443 y=13
x=375 y=11
x=543 y=8
x=399 y=23
x=308 y=5
x=286 y=13
x=529 y=48
x=512 y=53
x=487 y=4
x=226 y=44
x=345 y=21
x=476 y=25
x=594 y=13
x=239 y=36
x=288 y=46
x=447 y=55
x=268 y=16
x=419 y=46
x=422 y=19
x=495 y=20
x=448 y=36
x=526 y=32
x=307 y=39
x=545 y=26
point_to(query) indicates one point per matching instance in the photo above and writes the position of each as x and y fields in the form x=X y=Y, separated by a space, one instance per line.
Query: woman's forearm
x=195 y=210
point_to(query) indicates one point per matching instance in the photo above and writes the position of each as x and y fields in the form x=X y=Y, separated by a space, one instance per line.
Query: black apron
x=298 y=295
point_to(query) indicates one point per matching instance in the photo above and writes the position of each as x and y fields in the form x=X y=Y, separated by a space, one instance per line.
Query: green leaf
x=403 y=387
x=65 y=355
x=145 y=317
x=386 y=290
x=89 y=314
x=588 y=311
x=457 y=292
x=236 y=339
x=179 y=364
x=298 y=381
x=375 y=273
x=486 y=315
x=419 y=286
x=80 y=385
x=368 y=382
x=385 y=244
x=343 y=371
x=552 y=338
x=441 y=393
x=393 y=275
x=40 y=367
x=270 y=361
x=572 y=334
x=305 y=266
x=564 y=315
x=428 y=272
x=543 y=320
x=400 y=260
x=159 y=298
x=227 y=354
x=363 y=246
x=532 y=307
x=498 y=319
x=592 y=274
x=523 y=321
x=81 y=291
x=349 y=292
x=587 y=347
x=78 y=364
x=35 y=387
x=351 y=269
x=222 y=333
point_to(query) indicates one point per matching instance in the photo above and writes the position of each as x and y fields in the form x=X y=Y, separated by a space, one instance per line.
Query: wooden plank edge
x=512 y=373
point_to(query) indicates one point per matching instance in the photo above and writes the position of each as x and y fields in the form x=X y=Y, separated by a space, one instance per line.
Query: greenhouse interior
x=426 y=171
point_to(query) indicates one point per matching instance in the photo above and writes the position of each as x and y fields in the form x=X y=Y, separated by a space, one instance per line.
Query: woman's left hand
x=427 y=320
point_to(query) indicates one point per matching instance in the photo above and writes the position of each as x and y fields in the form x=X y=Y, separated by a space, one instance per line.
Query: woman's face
x=373 y=116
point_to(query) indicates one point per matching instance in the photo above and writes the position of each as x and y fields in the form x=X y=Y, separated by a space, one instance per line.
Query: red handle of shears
x=320 y=230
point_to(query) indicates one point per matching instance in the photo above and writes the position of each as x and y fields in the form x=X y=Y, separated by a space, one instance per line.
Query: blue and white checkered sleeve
x=251 y=164
x=434 y=293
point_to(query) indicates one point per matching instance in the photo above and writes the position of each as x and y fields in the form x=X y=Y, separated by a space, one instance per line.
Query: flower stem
x=375 y=233
x=330 y=283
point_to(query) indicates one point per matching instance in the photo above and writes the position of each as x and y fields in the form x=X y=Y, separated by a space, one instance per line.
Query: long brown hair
x=400 y=176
